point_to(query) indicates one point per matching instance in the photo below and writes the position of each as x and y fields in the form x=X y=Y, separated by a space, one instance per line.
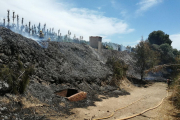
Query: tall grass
x=176 y=91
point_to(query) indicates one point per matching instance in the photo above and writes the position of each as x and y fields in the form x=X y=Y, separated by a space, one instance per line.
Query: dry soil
x=152 y=95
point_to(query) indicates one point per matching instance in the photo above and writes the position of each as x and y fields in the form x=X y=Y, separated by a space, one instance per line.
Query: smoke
x=155 y=76
x=65 y=16
x=42 y=42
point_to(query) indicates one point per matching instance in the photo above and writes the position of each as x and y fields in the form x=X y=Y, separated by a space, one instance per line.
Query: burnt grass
x=58 y=67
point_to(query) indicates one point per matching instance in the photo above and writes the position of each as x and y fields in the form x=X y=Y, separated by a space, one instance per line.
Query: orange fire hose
x=135 y=114
x=144 y=110
x=117 y=110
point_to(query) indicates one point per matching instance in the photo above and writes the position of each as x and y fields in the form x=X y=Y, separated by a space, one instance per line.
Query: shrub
x=25 y=79
x=176 y=90
x=17 y=78
x=118 y=66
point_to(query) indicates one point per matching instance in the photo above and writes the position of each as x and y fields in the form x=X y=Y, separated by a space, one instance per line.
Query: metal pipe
x=29 y=27
x=4 y=24
x=32 y=30
x=39 y=27
x=8 y=19
x=14 y=16
x=44 y=27
x=22 y=21
x=17 y=22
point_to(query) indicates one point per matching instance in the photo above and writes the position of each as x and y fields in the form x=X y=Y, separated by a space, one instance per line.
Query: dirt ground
x=167 y=111
x=152 y=95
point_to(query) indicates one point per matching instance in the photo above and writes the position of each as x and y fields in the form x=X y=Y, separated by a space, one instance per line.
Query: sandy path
x=154 y=94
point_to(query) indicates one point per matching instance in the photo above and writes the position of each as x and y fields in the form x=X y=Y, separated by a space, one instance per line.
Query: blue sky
x=118 y=21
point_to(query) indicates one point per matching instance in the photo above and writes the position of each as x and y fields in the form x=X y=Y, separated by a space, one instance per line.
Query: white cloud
x=144 y=5
x=123 y=13
x=175 y=41
x=80 y=21
x=113 y=3
x=98 y=8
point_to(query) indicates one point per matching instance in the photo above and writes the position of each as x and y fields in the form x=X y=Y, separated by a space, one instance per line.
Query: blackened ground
x=45 y=93
x=54 y=105
x=124 y=56
x=59 y=63
x=60 y=66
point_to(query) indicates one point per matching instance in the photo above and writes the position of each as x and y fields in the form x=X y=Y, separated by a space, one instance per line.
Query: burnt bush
x=16 y=76
x=119 y=69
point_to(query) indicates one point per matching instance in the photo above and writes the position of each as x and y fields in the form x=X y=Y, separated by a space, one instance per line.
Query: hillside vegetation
x=32 y=75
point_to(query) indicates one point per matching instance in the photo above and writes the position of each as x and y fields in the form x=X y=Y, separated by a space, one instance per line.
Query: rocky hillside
x=60 y=62
x=61 y=66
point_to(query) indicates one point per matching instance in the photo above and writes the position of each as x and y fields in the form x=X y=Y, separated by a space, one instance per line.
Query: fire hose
x=135 y=114
x=118 y=109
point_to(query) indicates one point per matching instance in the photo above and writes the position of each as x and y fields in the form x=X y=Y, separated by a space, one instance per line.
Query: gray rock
x=94 y=86
x=3 y=108
x=110 y=88
x=5 y=117
x=117 y=92
x=102 y=88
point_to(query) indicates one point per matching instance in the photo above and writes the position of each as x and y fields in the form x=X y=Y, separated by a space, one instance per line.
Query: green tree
x=177 y=59
x=176 y=52
x=167 y=55
x=155 y=47
x=159 y=37
x=145 y=56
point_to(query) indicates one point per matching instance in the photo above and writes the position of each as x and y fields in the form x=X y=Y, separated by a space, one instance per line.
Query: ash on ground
x=60 y=66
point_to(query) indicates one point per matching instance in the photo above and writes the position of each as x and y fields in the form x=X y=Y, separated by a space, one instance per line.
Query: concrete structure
x=77 y=97
x=96 y=42
x=72 y=94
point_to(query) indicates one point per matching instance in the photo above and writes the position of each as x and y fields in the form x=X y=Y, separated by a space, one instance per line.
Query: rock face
x=59 y=63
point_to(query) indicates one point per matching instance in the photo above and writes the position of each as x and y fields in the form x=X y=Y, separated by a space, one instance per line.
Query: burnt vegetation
x=119 y=69
x=175 y=86
x=17 y=77
x=30 y=70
